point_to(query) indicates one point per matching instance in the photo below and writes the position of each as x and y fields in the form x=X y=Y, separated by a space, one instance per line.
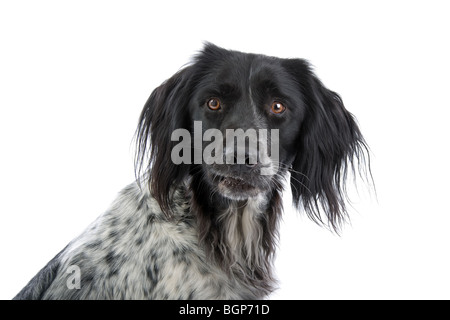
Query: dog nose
x=241 y=162
x=247 y=161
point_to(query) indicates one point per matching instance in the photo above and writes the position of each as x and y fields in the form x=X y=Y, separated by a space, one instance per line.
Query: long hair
x=329 y=145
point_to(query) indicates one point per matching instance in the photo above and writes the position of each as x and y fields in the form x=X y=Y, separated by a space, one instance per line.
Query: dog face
x=300 y=126
x=254 y=102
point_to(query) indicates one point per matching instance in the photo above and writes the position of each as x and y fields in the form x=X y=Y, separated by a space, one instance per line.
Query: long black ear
x=329 y=143
x=165 y=110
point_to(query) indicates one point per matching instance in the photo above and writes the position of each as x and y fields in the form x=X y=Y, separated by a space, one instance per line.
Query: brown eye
x=214 y=104
x=277 y=108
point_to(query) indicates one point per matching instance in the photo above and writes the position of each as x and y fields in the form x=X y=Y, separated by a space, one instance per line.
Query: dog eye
x=213 y=104
x=277 y=108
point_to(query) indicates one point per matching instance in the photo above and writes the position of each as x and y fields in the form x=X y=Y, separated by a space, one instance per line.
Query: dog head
x=195 y=122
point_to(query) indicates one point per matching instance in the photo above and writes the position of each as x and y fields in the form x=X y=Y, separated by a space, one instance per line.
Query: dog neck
x=239 y=235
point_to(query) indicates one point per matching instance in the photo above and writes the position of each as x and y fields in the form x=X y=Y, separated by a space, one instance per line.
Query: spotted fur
x=133 y=251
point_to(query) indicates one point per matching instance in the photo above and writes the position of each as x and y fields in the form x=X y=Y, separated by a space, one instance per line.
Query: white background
x=75 y=75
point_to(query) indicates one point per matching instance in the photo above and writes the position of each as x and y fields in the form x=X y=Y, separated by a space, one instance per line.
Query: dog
x=193 y=228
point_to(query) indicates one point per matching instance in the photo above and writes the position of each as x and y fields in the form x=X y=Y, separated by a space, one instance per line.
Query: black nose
x=242 y=163
x=249 y=163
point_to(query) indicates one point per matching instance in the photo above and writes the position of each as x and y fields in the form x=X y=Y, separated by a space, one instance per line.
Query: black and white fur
x=197 y=231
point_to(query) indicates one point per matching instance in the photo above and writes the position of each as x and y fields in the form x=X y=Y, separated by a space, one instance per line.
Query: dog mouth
x=236 y=187
x=234 y=182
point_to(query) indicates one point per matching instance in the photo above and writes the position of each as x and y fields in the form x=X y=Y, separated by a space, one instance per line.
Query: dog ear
x=165 y=110
x=328 y=145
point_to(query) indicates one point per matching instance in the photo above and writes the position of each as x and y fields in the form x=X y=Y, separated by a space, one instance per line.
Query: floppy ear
x=165 y=110
x=328 y=144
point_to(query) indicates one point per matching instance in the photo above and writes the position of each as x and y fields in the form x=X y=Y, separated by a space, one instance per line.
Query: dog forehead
x=241 y=73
